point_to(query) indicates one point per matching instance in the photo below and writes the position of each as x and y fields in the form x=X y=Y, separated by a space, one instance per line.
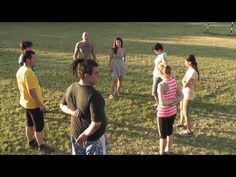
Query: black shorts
x=35 y=118
x=165 y=126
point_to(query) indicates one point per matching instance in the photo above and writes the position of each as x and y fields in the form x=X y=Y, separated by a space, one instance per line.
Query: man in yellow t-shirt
x=32 y=101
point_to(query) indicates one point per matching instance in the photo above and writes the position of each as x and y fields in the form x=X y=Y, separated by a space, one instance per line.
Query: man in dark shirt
x=86 y=107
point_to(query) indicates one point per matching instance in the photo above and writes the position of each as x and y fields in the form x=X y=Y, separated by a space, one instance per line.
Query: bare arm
x=67 y=110
x=164 y=59
x=179 y=96
x=187 y=83
x=124 y=56
x=76 y=51
x=191 y=76
x=165 y=62
x=93 y=127
x=110 y=60
x=126 y=67
x=94 y=55
x=35 y=98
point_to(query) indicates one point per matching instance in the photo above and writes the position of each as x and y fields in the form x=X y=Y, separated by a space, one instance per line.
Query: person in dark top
x=86 y=106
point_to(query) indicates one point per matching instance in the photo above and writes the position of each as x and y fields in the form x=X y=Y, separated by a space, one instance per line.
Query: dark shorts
x=34 y=118
x=165 y=126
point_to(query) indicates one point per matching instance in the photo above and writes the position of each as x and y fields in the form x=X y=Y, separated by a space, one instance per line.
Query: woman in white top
x=189 y=82
x=160 y=58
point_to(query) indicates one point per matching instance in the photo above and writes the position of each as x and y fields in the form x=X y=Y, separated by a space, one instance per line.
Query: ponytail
x=191 y=58
x=194 y=64
x=83 y=66
x=74 y=66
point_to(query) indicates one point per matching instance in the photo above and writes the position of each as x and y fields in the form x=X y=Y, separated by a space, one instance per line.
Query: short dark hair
x=83 y=66
x=27 y=54
x=25 y=44
x=157 y=46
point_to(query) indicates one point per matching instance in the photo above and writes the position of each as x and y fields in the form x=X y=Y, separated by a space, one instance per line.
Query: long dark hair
x=191 y=58
x=114 y=47
x=83 y=66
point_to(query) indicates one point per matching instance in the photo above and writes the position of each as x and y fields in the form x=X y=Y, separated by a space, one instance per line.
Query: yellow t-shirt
x=27 y=80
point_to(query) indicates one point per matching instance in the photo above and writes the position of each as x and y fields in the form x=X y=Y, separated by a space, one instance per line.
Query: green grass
x=131 y=119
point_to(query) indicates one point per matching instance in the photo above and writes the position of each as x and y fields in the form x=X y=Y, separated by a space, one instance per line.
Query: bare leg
x=181 y=121
x=154 y=89
x=156 y=99
x=29 y=133
x=119 y=84
x=186 y=113
x=162 y=146
x=113 y=85
x=39 y=138
x=169 y=143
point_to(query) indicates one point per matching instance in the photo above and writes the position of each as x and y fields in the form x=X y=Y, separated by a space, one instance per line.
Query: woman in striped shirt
x=169 y=95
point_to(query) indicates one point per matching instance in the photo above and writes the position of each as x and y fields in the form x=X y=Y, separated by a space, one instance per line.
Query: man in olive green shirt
x=81 y=98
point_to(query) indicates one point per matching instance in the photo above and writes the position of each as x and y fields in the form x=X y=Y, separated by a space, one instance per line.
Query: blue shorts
x=97 y=147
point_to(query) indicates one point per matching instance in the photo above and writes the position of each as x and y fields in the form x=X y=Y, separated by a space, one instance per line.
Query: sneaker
x=186 y=132
x=45 y=148
x=33 y=144
x=111 y=97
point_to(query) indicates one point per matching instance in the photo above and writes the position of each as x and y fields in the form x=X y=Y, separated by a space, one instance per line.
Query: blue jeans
x=97 y=147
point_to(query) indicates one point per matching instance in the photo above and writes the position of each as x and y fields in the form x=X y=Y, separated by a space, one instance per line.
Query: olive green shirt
x=91 y=104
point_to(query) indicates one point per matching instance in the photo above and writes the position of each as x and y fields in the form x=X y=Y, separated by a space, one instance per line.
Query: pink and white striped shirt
x=168 y=111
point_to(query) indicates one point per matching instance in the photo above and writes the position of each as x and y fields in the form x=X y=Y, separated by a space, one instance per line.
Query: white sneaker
x=186 y=132
x=111 y=97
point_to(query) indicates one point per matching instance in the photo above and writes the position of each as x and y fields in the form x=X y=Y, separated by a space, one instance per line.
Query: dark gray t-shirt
x=91 y=104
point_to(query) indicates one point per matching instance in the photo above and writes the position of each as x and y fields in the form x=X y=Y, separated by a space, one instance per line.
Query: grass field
x=131 y=118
